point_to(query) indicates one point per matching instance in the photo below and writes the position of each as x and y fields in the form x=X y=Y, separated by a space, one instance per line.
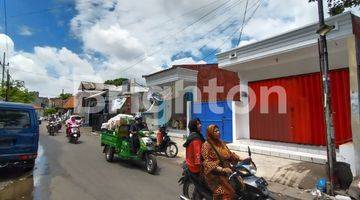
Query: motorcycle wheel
x=51 y=132
x=171 y=150
x=109 y=154
x=151 y=164
x=189 y=191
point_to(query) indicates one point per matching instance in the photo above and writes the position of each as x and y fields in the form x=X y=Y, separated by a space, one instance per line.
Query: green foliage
x=18 y=93
x=50 y=111
x=338 y=6
x=116 y=82
x=65 y=96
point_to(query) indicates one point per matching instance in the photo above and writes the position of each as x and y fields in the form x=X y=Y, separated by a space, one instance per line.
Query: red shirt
x=193 y=156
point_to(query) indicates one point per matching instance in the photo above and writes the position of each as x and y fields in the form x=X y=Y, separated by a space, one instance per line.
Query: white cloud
x=25 y=31
x=112 y=41
x=6 y=45
x=186 y=61
x=134 y=38
x=49 y=70
x=127 y=31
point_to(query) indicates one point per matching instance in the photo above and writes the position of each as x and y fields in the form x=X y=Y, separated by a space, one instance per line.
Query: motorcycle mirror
x=249 y=151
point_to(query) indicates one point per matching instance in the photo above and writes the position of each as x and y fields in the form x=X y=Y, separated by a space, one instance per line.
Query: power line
x=224 y=41
x=182 y=30
x=242 y=27
x=223 y=30
x=181 y=15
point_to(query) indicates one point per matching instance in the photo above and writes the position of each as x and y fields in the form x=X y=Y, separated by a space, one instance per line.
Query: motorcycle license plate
x=261 y=182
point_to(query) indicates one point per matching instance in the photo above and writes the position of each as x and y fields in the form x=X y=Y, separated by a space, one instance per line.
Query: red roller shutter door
x=303 y=121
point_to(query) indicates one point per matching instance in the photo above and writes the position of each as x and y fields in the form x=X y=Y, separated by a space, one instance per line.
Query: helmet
x=162 y=128
x=138 y=117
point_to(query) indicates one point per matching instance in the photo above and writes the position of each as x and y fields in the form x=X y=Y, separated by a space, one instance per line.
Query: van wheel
x=109 y=154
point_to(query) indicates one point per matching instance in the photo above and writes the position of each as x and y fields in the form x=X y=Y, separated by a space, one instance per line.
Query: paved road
x=81 y=172
x=68 y=171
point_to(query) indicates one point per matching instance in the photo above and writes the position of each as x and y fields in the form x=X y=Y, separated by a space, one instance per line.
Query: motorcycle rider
x=52 y=118
x=217 y=164
x=134 y=129
x=69 y=123
x=161 y=133
x=193 y=148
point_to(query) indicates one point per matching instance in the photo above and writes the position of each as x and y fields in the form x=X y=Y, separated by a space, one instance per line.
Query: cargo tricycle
x=117 y=143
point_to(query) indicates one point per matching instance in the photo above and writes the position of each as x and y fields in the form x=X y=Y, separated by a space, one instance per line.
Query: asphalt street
x=80 y=171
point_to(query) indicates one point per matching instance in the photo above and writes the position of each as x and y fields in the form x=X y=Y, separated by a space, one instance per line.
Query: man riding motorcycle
x=134 y=129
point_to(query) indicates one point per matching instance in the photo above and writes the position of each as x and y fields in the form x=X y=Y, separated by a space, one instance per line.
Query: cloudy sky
x=54 y=44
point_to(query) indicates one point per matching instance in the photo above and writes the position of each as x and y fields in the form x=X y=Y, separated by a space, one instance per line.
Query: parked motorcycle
x=74 y=134
x=255 y=187
x=51 y=128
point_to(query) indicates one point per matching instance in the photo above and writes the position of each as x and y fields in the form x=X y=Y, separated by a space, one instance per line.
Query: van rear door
x=18 y=131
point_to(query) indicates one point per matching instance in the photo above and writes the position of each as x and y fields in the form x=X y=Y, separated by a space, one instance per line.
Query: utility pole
x=324 y=70
x=7 y=86
x=3 y=65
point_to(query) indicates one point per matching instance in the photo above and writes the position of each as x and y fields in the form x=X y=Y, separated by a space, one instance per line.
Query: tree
x=50 y=111
x=338 y=6
x=65 y=96
x=116 y=82
x=18 y=93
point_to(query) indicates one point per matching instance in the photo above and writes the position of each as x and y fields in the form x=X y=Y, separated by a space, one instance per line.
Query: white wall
x=347 y=154
x=241 y=123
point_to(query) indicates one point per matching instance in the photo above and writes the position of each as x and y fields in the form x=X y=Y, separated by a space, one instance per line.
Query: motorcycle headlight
x=252 y=170
x=147 y=141
x=75 y=130
x=75 y=135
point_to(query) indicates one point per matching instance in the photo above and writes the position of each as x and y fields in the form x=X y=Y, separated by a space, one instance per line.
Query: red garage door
x=302 y=122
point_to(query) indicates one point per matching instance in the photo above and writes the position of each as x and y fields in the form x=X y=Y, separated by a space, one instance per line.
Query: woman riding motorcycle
x=69 y=123
x=217 y=164
x=193 y=147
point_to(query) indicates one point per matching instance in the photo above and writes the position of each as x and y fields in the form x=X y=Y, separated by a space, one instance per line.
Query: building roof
x=187 y=66
x=84 y=85
x=57 y=102
x=70 y=103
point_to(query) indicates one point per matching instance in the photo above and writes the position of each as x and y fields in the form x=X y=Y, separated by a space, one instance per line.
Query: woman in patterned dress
x=216 y=166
